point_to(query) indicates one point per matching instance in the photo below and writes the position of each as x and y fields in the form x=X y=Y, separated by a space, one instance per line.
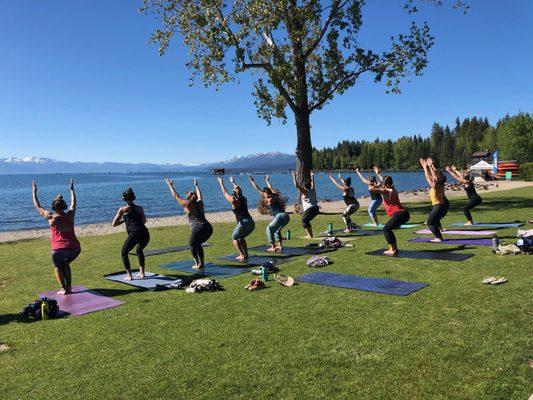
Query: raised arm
x=118 y=217
x=36 y=203
x=72 y=196
x=432 y=168
x=312 y=177
x=224 y=190
x=332 y=179
x=268 y=184
x=377 y=171
x=297 y=185
x=427 y=174
x=363 y=179
x=256 y=186
x=181 y=202
x=232 y=180
x=458 y=177
x=197 y=190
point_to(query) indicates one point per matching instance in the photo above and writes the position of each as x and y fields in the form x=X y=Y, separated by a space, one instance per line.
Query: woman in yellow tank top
x=436 y=181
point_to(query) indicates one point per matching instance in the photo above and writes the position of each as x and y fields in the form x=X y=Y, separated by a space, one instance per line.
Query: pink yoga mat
x=82 y=301
x=450 y=232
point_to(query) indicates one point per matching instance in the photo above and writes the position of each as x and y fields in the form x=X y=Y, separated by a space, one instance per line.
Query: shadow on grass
x=8 y=318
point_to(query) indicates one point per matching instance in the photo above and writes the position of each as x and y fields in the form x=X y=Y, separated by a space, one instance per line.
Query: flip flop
x=488 y=280
x=499 y=281
x=284 y=280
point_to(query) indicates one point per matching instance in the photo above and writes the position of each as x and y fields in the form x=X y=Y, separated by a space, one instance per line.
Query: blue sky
x=81 y=83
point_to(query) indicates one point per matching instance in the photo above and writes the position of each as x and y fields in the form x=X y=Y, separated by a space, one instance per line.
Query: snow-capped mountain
x=36 y=165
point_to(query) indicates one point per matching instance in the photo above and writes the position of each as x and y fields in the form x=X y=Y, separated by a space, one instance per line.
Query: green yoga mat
x=380 y=226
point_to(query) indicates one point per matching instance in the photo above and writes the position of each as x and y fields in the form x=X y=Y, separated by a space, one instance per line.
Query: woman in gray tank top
x=245 y=223
x=201 y=229
x=309 y=202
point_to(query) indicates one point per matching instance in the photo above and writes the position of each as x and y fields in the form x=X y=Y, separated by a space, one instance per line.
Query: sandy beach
x=328 y=207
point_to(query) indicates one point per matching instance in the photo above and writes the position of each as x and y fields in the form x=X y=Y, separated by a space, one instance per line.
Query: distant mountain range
x=40 y=165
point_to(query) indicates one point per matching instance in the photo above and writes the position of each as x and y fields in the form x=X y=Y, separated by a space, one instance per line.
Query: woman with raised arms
x=394 y=209
x=245 y=223
x=201 y=229
x=375 y=198
x=309 y=202
x=65 y=246
x=277 y=209
x=352 y=205
x=474 y=199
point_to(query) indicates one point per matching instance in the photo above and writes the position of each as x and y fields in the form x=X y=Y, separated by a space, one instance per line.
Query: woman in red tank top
x=65 y=246
x=394 y=209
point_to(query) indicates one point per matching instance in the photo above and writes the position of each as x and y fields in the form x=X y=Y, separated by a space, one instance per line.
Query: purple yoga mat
x=465 y=232
x=81 y=301
x=473 y=242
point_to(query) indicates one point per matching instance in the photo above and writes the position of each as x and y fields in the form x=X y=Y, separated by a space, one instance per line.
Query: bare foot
x=140 y=275
x=279 y=248
x=197 y=267
x=469 y=223
x=390 y=253
x=436 y=240
x=347 y=230
x=272 y=248
x=128 y=277
x=62 y=292
x=240 y=257
x=309 y=237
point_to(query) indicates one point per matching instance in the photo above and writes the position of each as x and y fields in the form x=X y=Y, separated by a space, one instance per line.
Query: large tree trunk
x=304 y=148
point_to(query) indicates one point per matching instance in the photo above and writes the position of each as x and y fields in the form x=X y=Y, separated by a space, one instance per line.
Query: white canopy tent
x=481 y=166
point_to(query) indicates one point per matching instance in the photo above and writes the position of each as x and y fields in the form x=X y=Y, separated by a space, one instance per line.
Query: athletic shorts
x=63 y=257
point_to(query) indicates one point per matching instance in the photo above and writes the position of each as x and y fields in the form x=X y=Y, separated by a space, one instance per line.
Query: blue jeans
x=373 y=207
x=273 y=230
x=243 y=229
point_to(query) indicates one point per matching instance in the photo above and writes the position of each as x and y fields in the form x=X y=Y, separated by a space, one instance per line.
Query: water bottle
x=288 y=235
x=330 y=227
x=264 y=274
x=495 y=243
x=44 y=309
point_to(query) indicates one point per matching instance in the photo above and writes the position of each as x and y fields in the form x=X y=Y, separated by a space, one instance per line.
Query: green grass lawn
x=455 y=339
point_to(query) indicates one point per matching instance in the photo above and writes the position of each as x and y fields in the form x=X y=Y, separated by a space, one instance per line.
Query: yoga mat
x=210 y=269
x=380 y=226
x=470 y=241
x=82 y=301
x=360 y=232
x=457 y=232
x=368 y=284
x=296 y=251
x=150 y=282
x=156 y=252
x=255 y=260
x=490 y=225
x=425 y=255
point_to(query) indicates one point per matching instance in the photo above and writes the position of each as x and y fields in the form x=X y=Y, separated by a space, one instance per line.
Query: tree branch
x=354 y=74
x=335 y=6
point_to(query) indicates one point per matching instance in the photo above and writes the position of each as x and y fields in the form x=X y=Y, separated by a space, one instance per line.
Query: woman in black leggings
x=133 y=216
x=440 y=204
x=474 y=199
x=201 y=229
x=394 y=209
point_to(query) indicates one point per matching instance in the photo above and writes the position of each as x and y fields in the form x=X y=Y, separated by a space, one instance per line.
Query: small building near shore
x=219 y=171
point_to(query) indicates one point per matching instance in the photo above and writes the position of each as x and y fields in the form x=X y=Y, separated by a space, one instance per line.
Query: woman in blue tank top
x=277 y=209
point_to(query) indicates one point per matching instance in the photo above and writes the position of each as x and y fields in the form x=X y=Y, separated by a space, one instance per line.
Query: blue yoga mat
x=368 y=284
x=490 y=225
x=466 y=242
x=210 y=269
x=150 y=282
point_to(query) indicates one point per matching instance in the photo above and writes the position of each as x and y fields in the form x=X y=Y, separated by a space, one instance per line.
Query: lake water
x=99 y=195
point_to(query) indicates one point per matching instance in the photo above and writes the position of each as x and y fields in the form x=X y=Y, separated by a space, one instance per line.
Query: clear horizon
x=75 y=93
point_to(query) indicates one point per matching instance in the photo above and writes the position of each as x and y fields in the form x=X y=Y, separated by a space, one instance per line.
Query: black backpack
x=33 y=310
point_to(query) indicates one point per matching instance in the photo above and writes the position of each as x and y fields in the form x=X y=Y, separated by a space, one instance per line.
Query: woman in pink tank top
x=65 y=246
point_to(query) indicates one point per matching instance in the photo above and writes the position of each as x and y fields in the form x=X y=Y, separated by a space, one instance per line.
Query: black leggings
x=200 y=233
x=308 y=215
x=472 y=203
x=438 y=212
x=398 y=219
x=136 y=238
